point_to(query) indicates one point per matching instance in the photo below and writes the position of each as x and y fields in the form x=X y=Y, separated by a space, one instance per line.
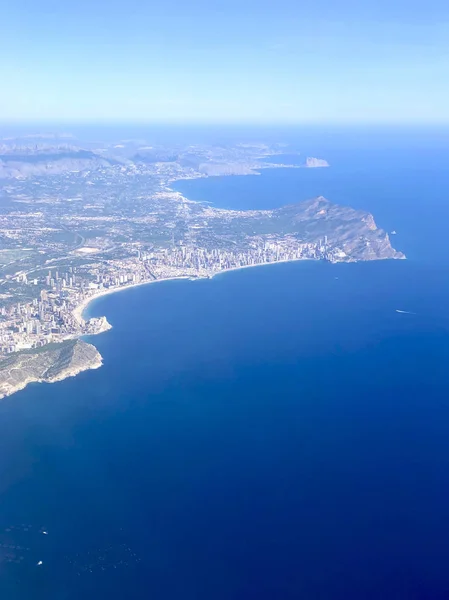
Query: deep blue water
x=277 y=432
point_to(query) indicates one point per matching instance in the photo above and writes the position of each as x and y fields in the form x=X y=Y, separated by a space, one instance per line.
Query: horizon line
x=222 y=123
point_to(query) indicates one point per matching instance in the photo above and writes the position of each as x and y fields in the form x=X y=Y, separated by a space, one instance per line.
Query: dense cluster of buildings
x=55 y=314
x=49 y=318
x=215 y=260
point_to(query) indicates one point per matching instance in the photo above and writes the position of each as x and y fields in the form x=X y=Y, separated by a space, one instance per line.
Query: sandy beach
x=79 y=310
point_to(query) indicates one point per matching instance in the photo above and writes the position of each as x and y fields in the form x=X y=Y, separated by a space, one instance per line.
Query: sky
x=261 y=61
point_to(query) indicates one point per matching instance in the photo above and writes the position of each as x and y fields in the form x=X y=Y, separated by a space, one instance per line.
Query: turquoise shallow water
x=278 y=432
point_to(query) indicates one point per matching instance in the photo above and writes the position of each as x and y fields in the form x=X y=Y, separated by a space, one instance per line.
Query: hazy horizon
x=245 y=61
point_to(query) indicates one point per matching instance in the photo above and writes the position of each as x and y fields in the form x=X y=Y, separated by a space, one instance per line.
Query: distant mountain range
x=36 y=160
x=25 y=158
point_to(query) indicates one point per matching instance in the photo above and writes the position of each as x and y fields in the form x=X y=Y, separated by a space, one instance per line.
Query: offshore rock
x=312 y=162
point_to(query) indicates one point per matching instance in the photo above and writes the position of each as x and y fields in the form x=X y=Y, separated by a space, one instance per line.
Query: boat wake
x=405 y=312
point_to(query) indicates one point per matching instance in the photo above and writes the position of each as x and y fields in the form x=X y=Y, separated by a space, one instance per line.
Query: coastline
x=78 y=312
x=82 y=307
x=91 y=326
x=66 y=359
x=267 y=264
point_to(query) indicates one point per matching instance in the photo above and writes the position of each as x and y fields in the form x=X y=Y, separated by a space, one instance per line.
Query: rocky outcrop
x=312 y=162
x=352 y=234
x=50 y=363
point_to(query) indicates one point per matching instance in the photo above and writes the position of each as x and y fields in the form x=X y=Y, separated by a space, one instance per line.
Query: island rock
x=312 y=162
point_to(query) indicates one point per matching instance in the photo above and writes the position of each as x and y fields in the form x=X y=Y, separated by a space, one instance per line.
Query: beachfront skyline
x=250 y=61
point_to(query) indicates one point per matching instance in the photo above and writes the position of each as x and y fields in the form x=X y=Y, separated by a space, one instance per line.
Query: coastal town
x=57 y=314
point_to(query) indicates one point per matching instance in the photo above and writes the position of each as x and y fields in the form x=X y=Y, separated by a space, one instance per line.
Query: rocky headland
x=49 y=364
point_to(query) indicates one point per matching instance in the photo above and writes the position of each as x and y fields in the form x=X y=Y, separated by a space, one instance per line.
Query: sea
x=280 y=432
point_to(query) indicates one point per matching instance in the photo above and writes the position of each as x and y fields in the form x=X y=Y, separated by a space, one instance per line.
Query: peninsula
x=49 y=363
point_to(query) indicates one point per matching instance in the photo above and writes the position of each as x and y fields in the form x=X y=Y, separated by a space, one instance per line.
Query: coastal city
x=57 y=314
x=81 y=221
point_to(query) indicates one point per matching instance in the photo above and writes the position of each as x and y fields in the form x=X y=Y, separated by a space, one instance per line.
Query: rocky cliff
x=50 y=363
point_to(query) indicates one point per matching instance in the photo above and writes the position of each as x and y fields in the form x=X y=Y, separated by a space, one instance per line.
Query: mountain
x=37 y=160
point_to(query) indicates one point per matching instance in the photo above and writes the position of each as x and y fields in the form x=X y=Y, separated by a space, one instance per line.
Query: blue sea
x=277 y=432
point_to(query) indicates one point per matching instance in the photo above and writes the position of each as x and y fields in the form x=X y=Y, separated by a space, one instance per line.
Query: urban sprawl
x=56 y=314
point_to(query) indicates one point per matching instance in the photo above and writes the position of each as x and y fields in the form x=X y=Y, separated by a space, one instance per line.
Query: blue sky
x=228 y=61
